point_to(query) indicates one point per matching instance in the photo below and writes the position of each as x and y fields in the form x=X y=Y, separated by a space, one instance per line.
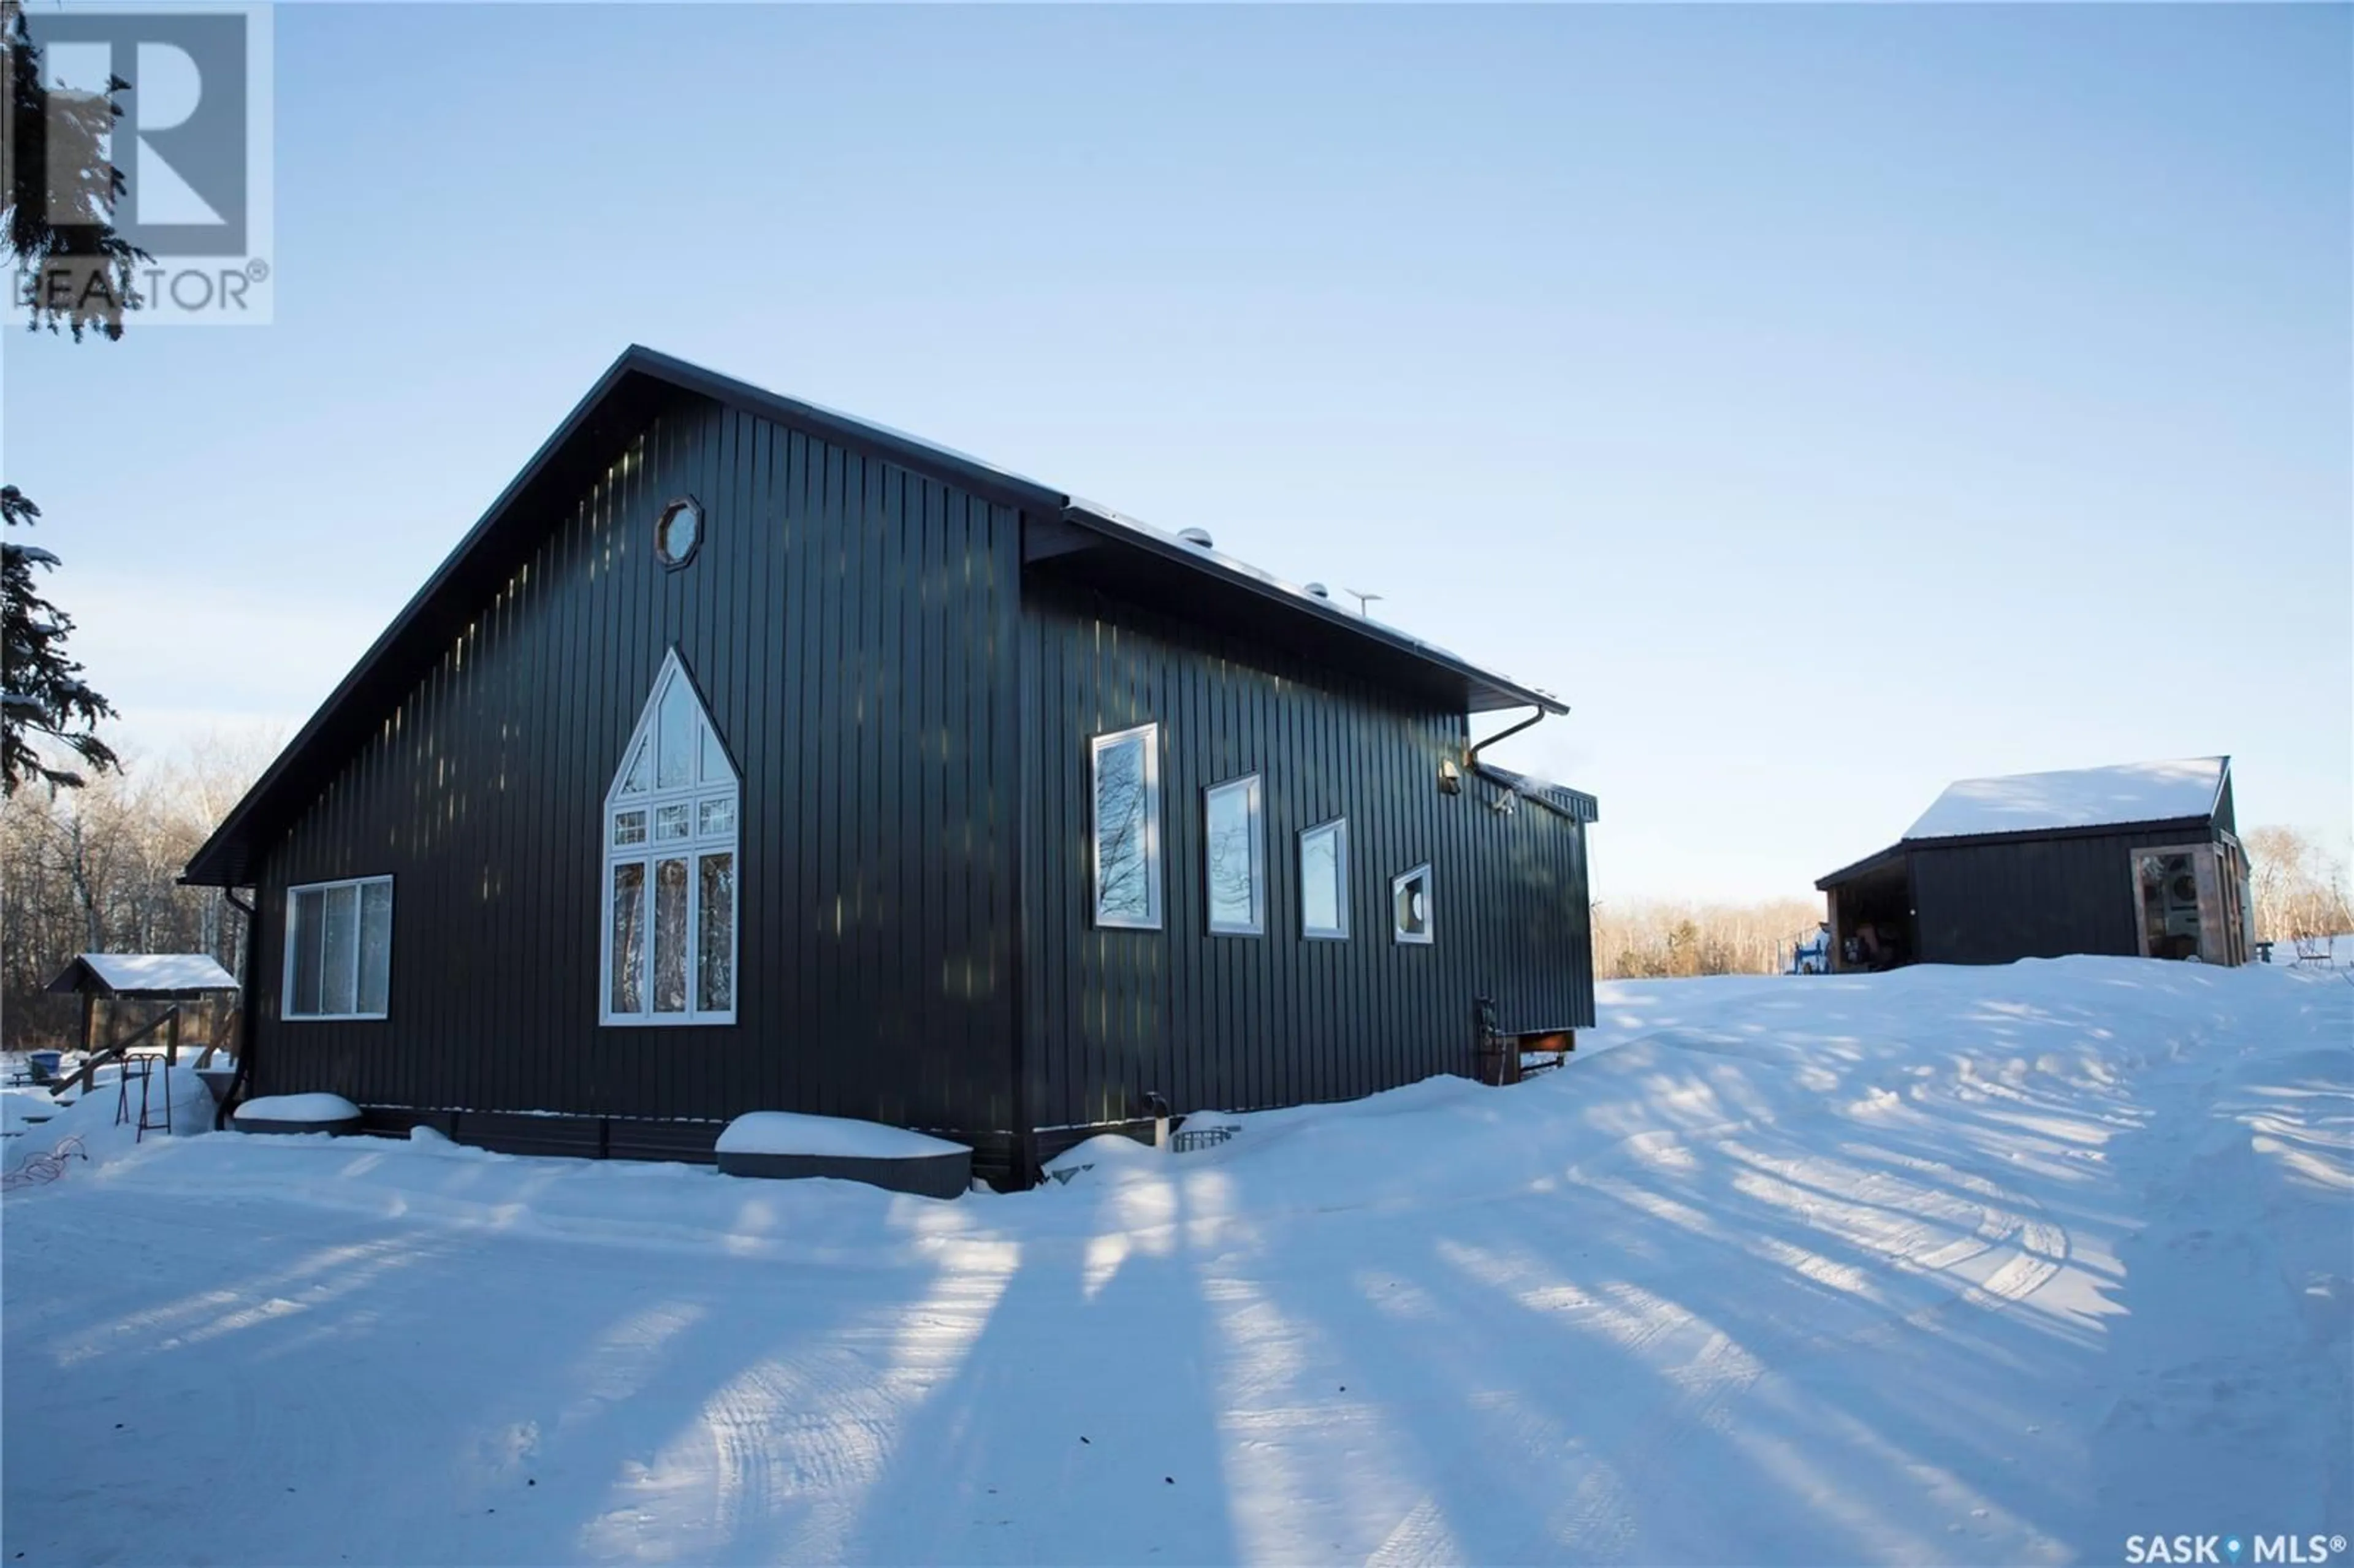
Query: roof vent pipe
x=1197 y=537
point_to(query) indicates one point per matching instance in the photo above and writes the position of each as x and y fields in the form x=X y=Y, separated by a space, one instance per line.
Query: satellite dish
x=1198 y=538
x=1319 y=590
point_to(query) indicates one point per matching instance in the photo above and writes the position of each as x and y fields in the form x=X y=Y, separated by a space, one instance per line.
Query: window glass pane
x=670 y=936
x=715 y=947
x=337 y=975
x=642 y=768
x=717 y=817
x=1126 y=877
x=628 y=950
x=375 y=946
x=1323 y=886
x=674 y=822
x=302 y=934
x=1410 y=900
x=630 y=827
x=1230 y=847
x=674 y=730
x=714 y=759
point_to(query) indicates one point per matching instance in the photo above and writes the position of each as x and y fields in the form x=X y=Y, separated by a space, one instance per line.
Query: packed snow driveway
x=1976 y=1266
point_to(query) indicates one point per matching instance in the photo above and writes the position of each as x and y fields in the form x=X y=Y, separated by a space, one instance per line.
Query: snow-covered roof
x=2076 y=798
x=150 y=971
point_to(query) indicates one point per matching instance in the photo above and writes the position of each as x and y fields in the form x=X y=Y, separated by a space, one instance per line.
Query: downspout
x=1471 y=756
x=245 y=1011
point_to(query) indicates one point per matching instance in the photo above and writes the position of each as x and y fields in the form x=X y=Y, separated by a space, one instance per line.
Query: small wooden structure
x=171 y=982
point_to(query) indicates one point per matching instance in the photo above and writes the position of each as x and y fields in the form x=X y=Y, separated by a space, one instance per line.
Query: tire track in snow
x=1631 y=1479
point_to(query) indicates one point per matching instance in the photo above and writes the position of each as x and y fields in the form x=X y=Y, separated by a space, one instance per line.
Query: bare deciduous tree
x=2299 y=888
x=97 y=870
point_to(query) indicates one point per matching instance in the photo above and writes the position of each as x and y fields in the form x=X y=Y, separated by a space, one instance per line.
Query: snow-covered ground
x=1996 y=1265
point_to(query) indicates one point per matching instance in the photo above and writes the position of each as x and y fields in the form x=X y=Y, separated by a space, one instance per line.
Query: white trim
x=1430 y=921
x=652 y=852
x=359 y=947
x=1338 y=827
x=1255 y=814
x=1150 y=735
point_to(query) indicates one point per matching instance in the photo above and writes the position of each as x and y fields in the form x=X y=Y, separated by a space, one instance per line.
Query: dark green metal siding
x=850 y=625
x=2033 y=897
x=1236 y=1022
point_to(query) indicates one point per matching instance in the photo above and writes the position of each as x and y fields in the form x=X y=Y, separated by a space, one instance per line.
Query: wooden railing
x=87 y=1074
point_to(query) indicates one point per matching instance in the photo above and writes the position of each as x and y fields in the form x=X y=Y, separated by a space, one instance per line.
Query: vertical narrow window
x=306 y=918
x=714 y=961
x=339 y=964
x=627 y=962
x=670 y=936
x=338 y=949
x=671 y=860
x=1126 y=794
x=1234 y=855
x=375 y=946
x=1324 y=881
x=1410 y=906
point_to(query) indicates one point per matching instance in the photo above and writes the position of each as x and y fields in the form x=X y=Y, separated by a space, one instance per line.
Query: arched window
x=671 y=866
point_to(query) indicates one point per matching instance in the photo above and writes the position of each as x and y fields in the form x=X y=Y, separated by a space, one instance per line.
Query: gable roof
x=2070 y=801
x=642 y=383
x=2115 y=796
x=142 y=974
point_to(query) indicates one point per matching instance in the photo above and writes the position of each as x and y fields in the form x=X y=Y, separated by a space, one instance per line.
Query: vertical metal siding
x=2033 y=898
x=851 y=628
x=1238 y=1022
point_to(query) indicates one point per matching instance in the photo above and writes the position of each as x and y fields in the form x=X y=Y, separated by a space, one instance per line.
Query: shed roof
x=2116 y=796
x=640 y=384
x=2073 y=802
x=142 y=974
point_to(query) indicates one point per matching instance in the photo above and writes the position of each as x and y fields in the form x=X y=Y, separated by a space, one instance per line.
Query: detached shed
x=171 y=982
x=2141 y=859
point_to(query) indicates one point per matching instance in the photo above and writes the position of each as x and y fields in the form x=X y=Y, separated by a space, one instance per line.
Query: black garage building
x=745 y=756
x=2142 y=859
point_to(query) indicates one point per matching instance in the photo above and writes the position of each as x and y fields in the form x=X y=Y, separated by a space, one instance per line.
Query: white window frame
x=1150 y=735
x=1255 y=809
x=1338 y=828
x=1423 y=937
x=359 y=947
x=650 y=851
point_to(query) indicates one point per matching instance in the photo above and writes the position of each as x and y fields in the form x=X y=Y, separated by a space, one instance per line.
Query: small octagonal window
x=678 y=531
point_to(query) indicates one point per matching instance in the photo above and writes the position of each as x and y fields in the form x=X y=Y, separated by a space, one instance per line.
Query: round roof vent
x=1197 y=537
x=1319 y=590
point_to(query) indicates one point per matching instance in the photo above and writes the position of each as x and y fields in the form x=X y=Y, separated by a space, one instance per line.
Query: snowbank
x=1937 y=1265
x=312 y=1108
x=92 y=1118
x=789 y=1132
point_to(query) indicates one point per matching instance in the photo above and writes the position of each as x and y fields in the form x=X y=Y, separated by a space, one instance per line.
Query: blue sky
x=1828 y=401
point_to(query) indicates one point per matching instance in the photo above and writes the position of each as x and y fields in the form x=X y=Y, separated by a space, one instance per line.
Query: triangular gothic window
x=671 y=860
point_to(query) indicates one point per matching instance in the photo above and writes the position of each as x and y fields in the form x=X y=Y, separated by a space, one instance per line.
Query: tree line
x=96 y=869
